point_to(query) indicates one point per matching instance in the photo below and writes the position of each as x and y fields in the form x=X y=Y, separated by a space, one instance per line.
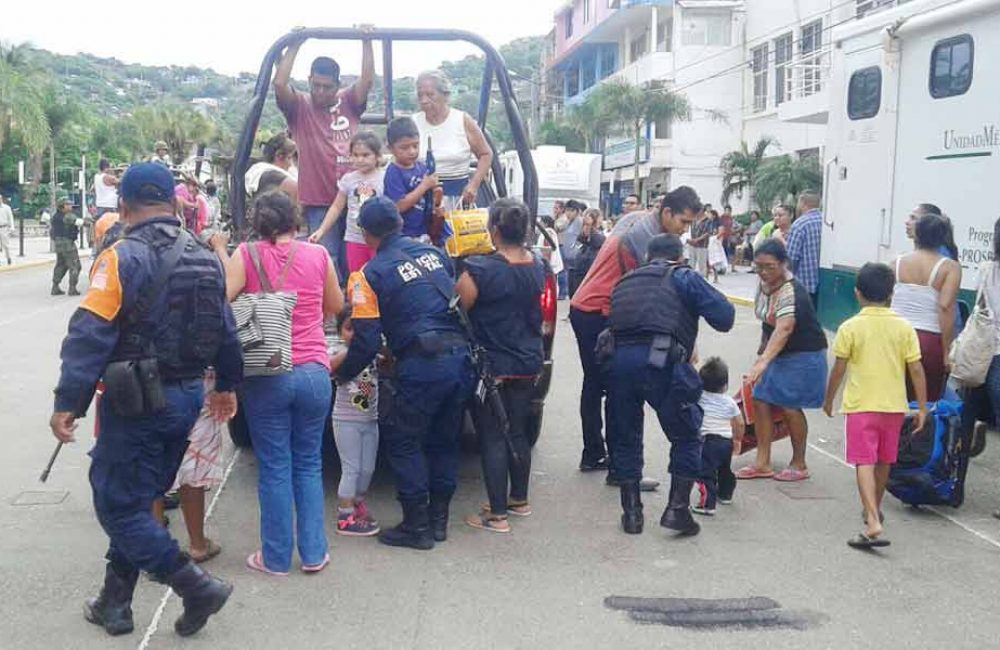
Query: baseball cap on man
x=147 y=183
x=379 y=216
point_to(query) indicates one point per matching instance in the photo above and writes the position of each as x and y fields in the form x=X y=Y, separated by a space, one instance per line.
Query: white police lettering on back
x=408 y=271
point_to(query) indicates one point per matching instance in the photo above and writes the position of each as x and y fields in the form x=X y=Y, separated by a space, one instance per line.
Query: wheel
x=239 y=432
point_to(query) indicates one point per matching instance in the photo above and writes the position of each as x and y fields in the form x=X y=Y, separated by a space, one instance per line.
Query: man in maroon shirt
x=623 y=251
x=322 y=124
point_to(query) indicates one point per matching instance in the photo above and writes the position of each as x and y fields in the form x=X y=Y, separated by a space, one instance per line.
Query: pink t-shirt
x=194 y=219
x=306 y=278
x=323 y=137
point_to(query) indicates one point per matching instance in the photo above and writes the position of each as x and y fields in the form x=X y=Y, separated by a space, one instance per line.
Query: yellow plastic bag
x=470 y=233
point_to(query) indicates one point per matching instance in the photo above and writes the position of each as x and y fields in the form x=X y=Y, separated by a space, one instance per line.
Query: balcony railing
x=806 y=75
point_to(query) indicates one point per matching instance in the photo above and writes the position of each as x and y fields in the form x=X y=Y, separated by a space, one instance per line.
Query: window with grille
x=810 y=45
x=951 y=66
x=782 y=55
x=665 y=35
x=758 y=58
x=639 y=46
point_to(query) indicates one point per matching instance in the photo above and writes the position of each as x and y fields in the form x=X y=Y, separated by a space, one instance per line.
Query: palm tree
x=588 y=122
x=741 y=167
x=180 y=126
x=783 y=178
x=633 y=107
x=22 y=106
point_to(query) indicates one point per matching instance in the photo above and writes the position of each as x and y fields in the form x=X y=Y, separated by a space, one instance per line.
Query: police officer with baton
x=653 y=325
x=155 y=316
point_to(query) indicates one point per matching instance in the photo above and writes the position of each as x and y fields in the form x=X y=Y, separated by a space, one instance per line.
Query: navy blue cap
x=147 y=183
x=379 y=216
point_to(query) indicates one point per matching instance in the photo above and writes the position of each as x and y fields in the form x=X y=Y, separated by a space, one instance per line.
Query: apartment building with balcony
x=642 y=41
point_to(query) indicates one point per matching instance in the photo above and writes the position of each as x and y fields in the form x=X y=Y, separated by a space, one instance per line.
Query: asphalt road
x=544 y=585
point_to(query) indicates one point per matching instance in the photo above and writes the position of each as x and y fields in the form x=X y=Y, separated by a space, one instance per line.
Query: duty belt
x=433 y=344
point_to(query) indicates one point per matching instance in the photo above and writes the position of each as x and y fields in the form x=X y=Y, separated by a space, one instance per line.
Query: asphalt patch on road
x=39 y=498
x=706 y=614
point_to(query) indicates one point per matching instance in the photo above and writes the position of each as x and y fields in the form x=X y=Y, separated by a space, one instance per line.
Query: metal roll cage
x=495 y=69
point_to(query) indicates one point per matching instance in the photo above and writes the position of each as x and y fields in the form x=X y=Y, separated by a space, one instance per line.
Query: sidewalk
x=739 y=285
x=36 y=253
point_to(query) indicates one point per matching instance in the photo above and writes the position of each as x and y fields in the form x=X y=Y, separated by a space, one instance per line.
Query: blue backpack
x=932 y=462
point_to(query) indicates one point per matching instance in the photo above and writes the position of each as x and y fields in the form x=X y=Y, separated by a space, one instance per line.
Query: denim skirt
x=795 y=380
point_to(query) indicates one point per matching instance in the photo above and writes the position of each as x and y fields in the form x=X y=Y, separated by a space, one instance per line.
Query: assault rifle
x=487 y=393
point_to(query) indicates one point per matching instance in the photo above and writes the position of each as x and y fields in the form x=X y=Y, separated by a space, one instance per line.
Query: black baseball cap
x=379 y=216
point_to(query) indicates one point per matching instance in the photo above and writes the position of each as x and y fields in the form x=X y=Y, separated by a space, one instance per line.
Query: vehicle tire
x=239 y=432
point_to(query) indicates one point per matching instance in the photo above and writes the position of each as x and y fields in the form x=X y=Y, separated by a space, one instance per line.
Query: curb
x=25 y=265
x=737 y=300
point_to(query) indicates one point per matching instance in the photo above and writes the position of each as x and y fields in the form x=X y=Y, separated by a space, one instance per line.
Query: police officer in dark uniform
x=154 y=318
x=654 y=324
x=404 y=292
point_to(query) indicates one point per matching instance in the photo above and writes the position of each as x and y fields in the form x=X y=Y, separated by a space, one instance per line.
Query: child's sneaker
x=726 y=502
x=361 y=512
x=701 y=510
x=702 y=493
x=348 y=523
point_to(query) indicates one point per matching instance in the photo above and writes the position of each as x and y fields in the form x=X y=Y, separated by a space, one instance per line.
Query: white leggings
x=357 y=444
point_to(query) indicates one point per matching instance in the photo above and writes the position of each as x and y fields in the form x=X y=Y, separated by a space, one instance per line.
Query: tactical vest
x=645 y=304
x=183 y=327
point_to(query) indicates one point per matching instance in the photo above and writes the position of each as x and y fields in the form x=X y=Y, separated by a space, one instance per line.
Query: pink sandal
x=316 y=568
x=751 y=472
x=256 y=562
x=790 y=474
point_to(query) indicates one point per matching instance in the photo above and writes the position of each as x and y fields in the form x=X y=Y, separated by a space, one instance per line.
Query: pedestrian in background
x=568 y=226
x=803 y=244
x=355 y=430
x=286 y=413
x=926 y=295
x=214 y=206
x=722 y=433
x=502 y=294
x=701 y=232
x=876 y=349
x=105 y=189
x=192 y=205
x=6 y=227
x=276 y=170
x=588 y=244
x=64 y=231
x=631 y=203
x=790 y=370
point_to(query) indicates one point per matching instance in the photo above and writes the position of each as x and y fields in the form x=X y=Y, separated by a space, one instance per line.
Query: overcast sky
x=232 y=37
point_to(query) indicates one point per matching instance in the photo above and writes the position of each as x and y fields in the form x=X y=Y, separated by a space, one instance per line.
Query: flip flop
x=864 y=542
x=790 y=474
x=316 y=568
x=751 y=472
x=256 y=562
x=485 y=521
x=212 y=550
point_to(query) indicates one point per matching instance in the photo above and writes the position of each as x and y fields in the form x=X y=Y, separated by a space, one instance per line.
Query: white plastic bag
x=717 y=255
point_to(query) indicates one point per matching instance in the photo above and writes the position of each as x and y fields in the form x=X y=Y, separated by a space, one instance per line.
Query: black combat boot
x=73 y=291
x=439 y=516
x=112 y=609
x=677 y=516
x=415 y=529
x=56 y=291
x=631 y=508
x=203 y=595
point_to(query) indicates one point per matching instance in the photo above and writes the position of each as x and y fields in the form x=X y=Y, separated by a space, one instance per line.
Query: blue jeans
x=134 y=463
x=673 y=392
x=587 y=326
x=287 y=415
x=333 y=241
x=426 y=405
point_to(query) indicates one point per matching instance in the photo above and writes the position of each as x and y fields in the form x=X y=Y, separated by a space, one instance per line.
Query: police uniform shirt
x=401 y=292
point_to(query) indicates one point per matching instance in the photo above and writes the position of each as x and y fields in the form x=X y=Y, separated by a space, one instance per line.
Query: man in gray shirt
x=568 y=227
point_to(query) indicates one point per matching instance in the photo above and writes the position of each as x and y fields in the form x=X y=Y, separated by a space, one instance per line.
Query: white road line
x=155 y=623
x=992 y=541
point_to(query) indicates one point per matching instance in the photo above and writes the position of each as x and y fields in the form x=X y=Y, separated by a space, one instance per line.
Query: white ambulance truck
x=561 y=176
x=914 y=118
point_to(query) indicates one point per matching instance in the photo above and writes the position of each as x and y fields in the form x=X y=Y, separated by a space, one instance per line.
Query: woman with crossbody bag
x=286 y=411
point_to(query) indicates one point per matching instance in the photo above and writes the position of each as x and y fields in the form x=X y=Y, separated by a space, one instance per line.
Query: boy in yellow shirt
x=878 y=347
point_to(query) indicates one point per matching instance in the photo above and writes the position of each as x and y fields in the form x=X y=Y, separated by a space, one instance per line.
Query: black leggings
x=498 y=461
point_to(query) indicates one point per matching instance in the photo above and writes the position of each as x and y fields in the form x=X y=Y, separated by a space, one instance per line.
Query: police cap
x=379 y=217
x=146 y=183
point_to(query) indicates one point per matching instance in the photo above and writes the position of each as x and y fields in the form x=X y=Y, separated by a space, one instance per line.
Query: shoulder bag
x=972 y=352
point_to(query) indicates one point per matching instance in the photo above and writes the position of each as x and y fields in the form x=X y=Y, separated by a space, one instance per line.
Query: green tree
x=634 y=107
x=22 y=106
x=558 y=132
x=741 y=167
x=783 y=178
x=180 y=126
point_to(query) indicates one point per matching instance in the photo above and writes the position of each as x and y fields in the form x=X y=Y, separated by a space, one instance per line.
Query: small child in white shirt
x=722 y=432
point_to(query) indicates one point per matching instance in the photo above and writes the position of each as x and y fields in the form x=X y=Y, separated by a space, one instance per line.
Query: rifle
x=487 y=392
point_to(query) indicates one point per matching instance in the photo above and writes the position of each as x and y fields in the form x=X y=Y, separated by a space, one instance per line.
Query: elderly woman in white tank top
x=926 y=295
x=455 y=140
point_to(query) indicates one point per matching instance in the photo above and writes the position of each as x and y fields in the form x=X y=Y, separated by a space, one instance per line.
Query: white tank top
x=452 y=152
x=918 y=303
x=105 y=196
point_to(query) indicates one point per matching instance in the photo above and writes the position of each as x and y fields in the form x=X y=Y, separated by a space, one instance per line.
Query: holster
x=133 y=387
x=665 y=349
x=605 y=347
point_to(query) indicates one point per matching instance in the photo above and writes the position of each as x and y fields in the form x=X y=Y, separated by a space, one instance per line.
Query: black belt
x=432 y=345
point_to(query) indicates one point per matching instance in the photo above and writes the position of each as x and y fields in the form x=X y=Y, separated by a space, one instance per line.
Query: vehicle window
x=951 y=66
x=864 y=94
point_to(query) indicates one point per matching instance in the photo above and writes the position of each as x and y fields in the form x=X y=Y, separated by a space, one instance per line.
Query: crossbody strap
x=168 y=262
x=265 y=282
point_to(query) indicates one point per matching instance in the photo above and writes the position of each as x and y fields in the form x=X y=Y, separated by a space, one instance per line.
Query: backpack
x=264 y=321
x=932 y=462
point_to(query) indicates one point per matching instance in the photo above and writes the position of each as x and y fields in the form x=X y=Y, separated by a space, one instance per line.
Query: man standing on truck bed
x=322 y=124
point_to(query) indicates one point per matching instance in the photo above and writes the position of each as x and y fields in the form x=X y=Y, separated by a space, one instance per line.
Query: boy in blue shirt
x=406 y=179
